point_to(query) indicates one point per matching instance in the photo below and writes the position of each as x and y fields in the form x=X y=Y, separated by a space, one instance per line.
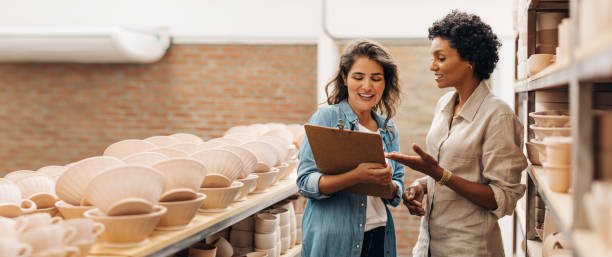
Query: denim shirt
x=333 y=225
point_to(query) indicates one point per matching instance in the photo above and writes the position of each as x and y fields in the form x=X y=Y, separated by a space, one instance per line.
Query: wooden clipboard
x=339 y=150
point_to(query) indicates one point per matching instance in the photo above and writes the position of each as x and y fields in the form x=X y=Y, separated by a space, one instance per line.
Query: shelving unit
x=166 y=243
x=583 y=78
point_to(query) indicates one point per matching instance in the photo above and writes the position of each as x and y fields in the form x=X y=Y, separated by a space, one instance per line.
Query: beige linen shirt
x=482 y=144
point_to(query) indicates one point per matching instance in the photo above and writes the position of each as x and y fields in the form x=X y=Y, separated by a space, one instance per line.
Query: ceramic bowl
x=265 y=153
x=281 y=148
x=558 y=177
x=84 y=247
x=542 y=133
x=241 y=239
x=12 y=210
x=532 y=153
x=551 y=119
x=162 y=141
x=112 y=190
x=250 y=183
x=216 y=181
x=182 y=173
x=283 y=214
x=180 y=213
x=266 y=223
x=242 y=137
x=13 y=247
x=210 y=145
x=282 y=134
x=18 y=174
x=187 y=138
x=264 y=241
x=178 y=194
x=247 y=224
x=298 y=133
x=170 y=152
x=202 y=250
x=188 y=148
x=218 y=199
x=224 y=248
x=249 y=160
x=144 y=158
x=238 y=130
x=39 y=188
x=541 y=148
x=283 y=170
x=71 y=185
x=558 y=150
x=292 y=169
x=128 y=147
x=53 y=211
x=127 y=230
x=538 y=62
x=69 y=211
x=48 y=238
x=219 y=161
x=228 y=140
x=265 y=180
x=53 y=171
x=86 y=229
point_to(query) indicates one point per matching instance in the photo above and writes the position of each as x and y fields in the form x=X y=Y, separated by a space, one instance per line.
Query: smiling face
x=448 y=67
x=366 y=83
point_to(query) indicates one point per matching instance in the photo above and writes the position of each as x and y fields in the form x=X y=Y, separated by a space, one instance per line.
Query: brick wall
x=59 y=113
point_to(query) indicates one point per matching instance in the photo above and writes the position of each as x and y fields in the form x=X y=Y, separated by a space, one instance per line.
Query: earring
x=471 y=67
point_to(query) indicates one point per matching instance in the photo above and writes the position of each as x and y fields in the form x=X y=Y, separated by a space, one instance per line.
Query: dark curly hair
x=474 y=40
x=376 y=52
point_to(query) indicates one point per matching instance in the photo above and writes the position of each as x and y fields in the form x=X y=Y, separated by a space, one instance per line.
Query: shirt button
x=360 y=225
x=357 y=246
x=361 y=204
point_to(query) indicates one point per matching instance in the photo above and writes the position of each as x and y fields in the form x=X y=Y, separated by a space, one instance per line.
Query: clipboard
x=338 y=150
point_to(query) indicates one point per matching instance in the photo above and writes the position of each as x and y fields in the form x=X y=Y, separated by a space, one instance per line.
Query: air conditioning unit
x=82 y=44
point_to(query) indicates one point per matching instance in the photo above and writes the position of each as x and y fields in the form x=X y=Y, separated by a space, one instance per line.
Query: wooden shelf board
x=594 y=59
x=555 y=75
x=588 y=243
x=203 y=224
x=559 y=204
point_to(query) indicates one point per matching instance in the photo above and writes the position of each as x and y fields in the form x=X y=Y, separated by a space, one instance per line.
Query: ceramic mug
x=37 y=220
x=48 y=238
x=12 y=247
x=86 y=229
x=10 y=227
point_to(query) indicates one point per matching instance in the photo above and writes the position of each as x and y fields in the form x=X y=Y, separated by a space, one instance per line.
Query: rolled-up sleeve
x=308 y=175
x=503 y=162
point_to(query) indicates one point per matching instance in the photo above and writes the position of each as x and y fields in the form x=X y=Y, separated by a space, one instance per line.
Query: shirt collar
x=345 y=107
x=471 y=106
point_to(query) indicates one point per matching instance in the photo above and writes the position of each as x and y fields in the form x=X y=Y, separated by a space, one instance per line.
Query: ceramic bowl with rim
x=249 y=160
x=113 y=189
x=538 y=62
x=18 y=174
x=558 y=150
x=162 y=141
x=125 y=148
x=551 y=119
x=144 y=158
x=127 y=230
x=69 y=211
x=292 y=169
x=71 y=185
x=265 y=153
x=219 y=199
x=182 y=172
x=532 y=153
x=541 y=148
x=180 y=213
x=542 y=133
x=219 y=161
x=266 y=223
x=216 y=181
x=250 y=183
x=187 y=138
x=53 y=171
x=170 y=152
x=39 y=188
x=265 y=180
x=188 y=148
x=281 y=148
x=559 y=177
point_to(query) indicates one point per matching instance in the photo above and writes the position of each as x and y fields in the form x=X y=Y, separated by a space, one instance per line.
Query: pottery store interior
x=176 y=128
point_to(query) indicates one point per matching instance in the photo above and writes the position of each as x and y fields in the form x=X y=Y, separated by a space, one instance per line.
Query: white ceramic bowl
x=119 y=184
x=265 y=153
x=187 y=138
x=551 y=119
x=170 y=152
x=71 y=185
x=39 y=188
x=69 y=211
x=144 y=158
x=219 y=161
x=128 y=147
x=182 y=173
x=180 y=213
x=250 y=183
x=265 y=180
x=188 y=148
x=128 y=230
x=162 y=141
x=542 y=133
x=249 y=160
x=218 y=199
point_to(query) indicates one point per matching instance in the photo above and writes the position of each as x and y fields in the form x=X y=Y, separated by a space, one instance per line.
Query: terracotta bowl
x=219 y=161
x=250 y=183
x=128 y=230
x=144 y=158
x=180 y=213
x=69 y=211
x=162 y=141
x=182 y=173
x=265 y=180
x=128 y=147
x=71 y=185
x=542 y=133
x=187 y=138
x=218 y=199
x=123 y=184
x=551 y=119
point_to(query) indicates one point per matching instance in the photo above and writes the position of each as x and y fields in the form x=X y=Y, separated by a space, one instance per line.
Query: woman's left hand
x=422 y=162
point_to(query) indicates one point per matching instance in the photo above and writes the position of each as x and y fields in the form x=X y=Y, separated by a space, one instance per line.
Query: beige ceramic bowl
x=219 y=161
x=187 y=138
x=264 y=241
x=538 y=62
x=227 y=140
x=265 y=180
x=558 y=150
x=292 y=169
x=18 y=174
x=144 y=158
x=179 y=213
x=541 y=148
x=71 y=185
x=281 y=133
x=532 y=153
x=188 y=148
x=128 y=147
x=249 y=160
x=162 y=141
x=170 y=152
x=202 y=250
x=542 y=133
x=250 y=183
x=182 y=173
x=210 y=145
x=218 y=199
x=216 y=181
x=69 y=211
x=558 y=177
x=119 y=184
x=551 y=119
x=39 y=188
x=266 y=223
x=53 y=171
x=128 y=230
x=281 y=148
x=265 y=153
x=283 y=170
x=241 y=239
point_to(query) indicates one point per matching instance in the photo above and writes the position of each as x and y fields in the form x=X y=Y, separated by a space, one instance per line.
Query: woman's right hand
x=413 y=199
x=374 y=173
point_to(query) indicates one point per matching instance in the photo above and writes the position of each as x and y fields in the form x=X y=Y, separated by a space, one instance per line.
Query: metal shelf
x=560 y=205
x=166 y=243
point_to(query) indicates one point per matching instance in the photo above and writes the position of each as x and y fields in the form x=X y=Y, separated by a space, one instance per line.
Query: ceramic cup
x=12 y=247
x=86 y=229
x=10 y=227
x=202 y=250
x=37 y=220
x=266 y=223
x=48 y=238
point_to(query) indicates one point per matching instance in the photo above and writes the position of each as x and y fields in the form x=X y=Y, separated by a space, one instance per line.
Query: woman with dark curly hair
x=340 y=223
x=473 y=148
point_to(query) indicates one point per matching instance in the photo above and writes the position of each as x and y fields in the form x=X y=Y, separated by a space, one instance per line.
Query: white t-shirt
x=376 y=215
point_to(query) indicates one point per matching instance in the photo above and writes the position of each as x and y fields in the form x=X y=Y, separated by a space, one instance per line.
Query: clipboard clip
x=340 y=124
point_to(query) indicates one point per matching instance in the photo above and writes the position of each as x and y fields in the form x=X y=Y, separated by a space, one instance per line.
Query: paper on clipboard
x=337 y=151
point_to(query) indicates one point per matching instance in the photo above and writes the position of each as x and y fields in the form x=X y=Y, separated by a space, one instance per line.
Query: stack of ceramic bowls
x=241 y=236
x=288 y=205
x=299 y=203
x=126 y=199
x=220 y=185
x=12 y=203
x=249 y=161
x=267 y=234
x=183 y=176
x=558 y=160
x=284 y=240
